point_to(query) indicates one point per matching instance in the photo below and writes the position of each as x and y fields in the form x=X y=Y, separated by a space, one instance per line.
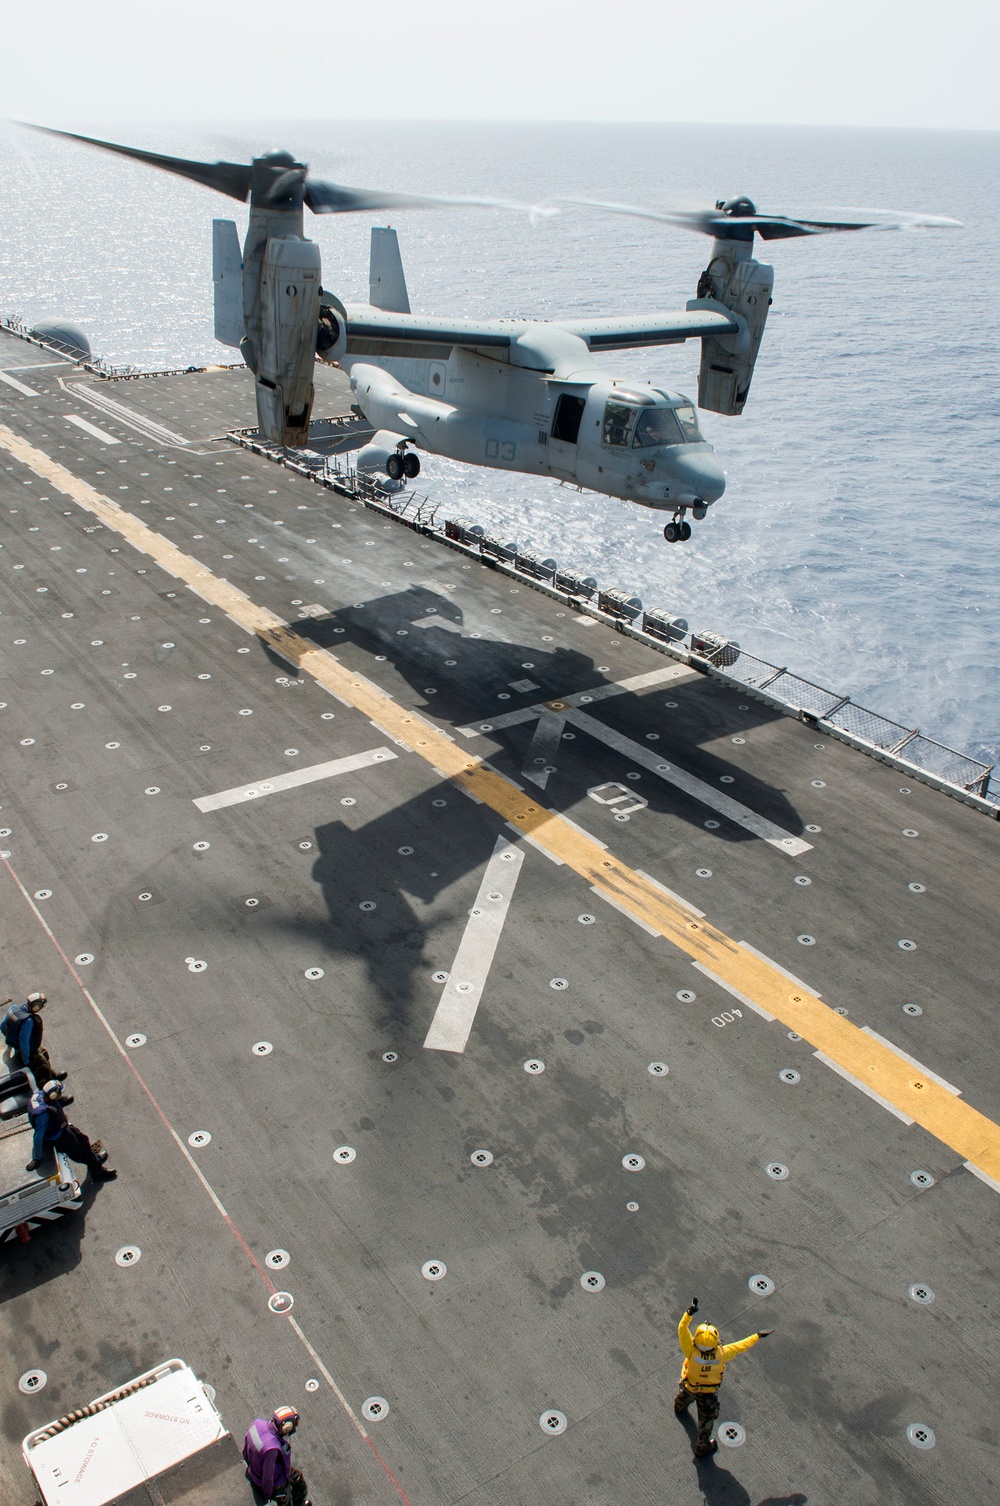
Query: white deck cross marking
x=540 y=756
x=18 y=386
x=596 y=693
x=460 y=997
x=707 y=794
x=271 y=784
x=550 y=719
x=81 y=423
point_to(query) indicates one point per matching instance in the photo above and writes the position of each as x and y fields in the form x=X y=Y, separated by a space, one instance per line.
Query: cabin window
x=569 y=413
x=618 y=419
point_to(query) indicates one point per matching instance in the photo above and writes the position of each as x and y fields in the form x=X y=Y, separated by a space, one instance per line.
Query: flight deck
x=460 y=986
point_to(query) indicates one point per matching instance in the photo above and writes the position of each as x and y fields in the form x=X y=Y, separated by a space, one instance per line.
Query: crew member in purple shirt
x=267 y=1450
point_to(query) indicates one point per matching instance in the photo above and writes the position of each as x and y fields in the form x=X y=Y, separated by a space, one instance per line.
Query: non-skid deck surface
x=242 y=989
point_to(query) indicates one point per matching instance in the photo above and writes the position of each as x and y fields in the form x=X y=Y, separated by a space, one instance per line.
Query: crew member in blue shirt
x=21 y=1028
x=47 y=1113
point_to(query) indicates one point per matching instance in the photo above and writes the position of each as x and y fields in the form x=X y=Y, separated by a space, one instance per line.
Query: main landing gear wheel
x=411 y=466
x=394 y=467
x=672 y=533
x=677 y=532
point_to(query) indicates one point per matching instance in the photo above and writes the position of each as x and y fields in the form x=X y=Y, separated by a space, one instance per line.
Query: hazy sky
x=822 y=62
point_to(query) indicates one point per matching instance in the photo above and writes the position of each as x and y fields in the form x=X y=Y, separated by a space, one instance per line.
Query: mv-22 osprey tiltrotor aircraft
x=517 y=395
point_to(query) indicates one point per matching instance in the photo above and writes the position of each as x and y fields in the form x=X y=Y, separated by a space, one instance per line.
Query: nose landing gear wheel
x=411 y=466
x=677 y=531
x=394 y=467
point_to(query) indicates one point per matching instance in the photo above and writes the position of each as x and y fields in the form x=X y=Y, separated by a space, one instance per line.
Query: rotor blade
x=232 y=178
x=772 y=227
x=776 y=226
x=334 y=198
x=892 y=219
x=687 y=219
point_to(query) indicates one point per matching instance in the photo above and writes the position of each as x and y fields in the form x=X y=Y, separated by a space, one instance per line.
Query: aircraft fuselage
x=539 y=405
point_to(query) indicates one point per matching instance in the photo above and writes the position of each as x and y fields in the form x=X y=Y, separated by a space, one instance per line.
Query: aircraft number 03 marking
x=501 y=449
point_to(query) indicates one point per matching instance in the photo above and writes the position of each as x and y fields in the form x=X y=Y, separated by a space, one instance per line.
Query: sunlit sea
x=859 y=538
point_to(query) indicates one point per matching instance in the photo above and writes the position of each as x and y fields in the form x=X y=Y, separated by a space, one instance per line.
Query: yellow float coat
x=703 y=1371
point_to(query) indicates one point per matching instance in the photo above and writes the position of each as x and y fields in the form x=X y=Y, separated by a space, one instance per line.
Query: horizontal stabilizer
x=386 y=283
x=227 y=274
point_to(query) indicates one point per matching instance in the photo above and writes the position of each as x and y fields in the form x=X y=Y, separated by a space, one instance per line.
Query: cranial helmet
x=37 y=999
x=286 y=1420
x=52 y=1088
x=706 y=1336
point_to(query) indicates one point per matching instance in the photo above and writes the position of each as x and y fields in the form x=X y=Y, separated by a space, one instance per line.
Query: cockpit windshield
x=665 y=426
x=643 y=428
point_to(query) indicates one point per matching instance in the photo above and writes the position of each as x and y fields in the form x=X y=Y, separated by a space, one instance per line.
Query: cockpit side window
x=657 y=426
x=688 y=420
x=618 y=419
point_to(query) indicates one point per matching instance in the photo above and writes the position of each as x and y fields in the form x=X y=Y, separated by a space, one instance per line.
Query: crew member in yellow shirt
x=705 y=1360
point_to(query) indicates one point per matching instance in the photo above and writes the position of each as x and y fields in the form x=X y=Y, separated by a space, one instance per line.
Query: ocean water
x=858 y=539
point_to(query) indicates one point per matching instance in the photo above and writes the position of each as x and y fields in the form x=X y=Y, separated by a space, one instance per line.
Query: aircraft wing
x=630 y=331
x=365 y=323
x=613 y=333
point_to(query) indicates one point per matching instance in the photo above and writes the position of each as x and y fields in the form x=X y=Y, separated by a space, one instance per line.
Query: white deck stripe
x=706 y=794
x=460 y=997
x=597 y=693
x=670 y=893
x=763 y=957
x=924 y=1071
x=544 y=746
x=21 y=387
x=274 y=783
x=585 y=833
x=660 y=676
x=982 y=1175
x=81 y=423
x=608 y=900
x=862 y=1087
x=532 y=842
x=734 y=991
x=147 y=426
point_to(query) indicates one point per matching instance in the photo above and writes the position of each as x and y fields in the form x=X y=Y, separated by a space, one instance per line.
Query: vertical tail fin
x=227 y=274
x=386 y=283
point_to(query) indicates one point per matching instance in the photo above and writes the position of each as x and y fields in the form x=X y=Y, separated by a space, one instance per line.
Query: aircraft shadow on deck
x=419 y=630
x=370 y=863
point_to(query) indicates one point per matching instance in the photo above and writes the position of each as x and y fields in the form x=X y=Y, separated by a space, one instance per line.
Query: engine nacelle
x=741 y=287
x=387 y=452
x=286 y=339
x=331 y=333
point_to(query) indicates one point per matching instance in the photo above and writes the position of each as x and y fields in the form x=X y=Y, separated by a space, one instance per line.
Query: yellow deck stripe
x=951 y=1120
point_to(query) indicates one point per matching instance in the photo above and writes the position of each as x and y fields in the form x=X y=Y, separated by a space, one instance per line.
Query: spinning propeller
x=737 y=220
x=288 y=182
